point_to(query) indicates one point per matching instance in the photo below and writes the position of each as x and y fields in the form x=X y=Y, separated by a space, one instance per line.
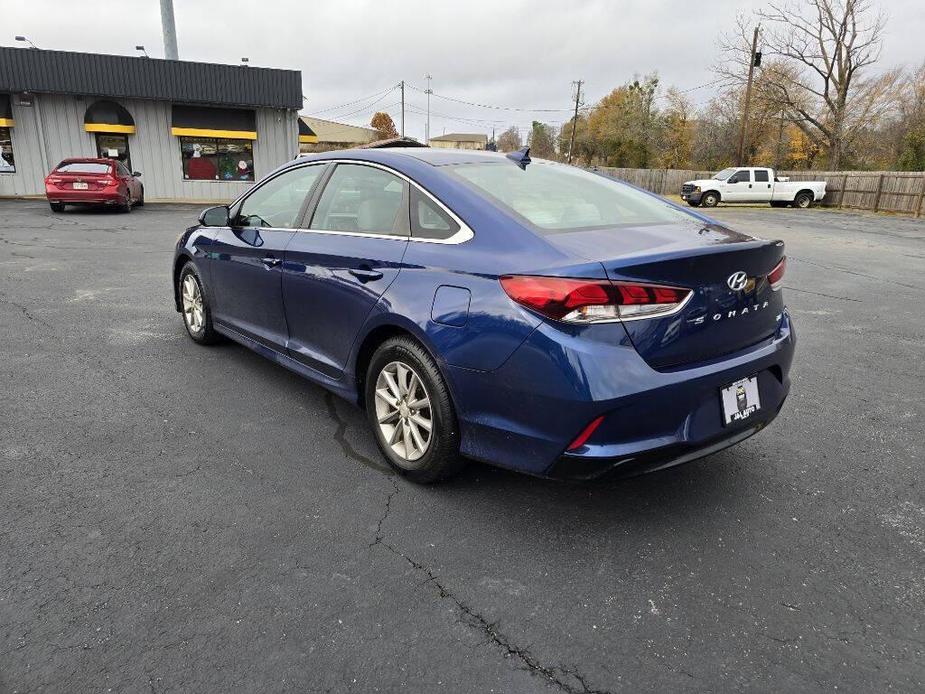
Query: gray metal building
x=196 y=131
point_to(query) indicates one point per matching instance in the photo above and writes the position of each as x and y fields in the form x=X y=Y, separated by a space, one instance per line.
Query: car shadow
x=681 y=492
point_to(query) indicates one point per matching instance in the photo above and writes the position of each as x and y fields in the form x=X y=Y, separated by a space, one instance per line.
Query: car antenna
x=521 y=157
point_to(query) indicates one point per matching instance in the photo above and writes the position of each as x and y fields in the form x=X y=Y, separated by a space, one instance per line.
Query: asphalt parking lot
x=176 y=518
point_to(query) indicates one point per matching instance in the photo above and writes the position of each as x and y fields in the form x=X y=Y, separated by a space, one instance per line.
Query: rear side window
x=428 y=219
x=84 y=167
x=761 y=176
x=555 y=198
x=361 y=199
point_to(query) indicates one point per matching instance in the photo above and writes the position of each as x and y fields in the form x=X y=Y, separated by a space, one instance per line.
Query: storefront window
x=7 y=163
x=113 y=147
x=216 y=159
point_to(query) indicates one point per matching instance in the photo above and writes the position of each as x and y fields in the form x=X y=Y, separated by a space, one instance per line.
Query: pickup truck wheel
x=710 y=199
x=803 y=200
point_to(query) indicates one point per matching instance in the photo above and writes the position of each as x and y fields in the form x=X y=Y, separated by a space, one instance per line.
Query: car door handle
x=366 y=274
x=270 y=261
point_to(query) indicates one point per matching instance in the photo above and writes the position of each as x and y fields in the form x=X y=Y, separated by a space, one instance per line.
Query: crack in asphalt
x=557 y=675
x=25 y=311
x=828 y=296
x=347 y=448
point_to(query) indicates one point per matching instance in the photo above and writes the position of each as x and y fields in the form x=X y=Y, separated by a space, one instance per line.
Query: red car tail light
x=776 y=276
x=592 y=301
x=585 y=434
x=52 y=180
x=107 y=181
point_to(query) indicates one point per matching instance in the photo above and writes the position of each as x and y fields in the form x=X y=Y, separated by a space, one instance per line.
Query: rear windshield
x=556 y=198
x=84 y=167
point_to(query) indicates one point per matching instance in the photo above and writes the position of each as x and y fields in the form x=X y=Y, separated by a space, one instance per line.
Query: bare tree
x=819 y=53
x=509 y=140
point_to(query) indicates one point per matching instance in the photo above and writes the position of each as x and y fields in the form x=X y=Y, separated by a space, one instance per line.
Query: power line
x=351 y=103
x=497 y=108
x=366 y=107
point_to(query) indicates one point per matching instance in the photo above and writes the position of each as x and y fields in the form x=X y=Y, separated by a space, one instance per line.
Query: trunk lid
x=717 y=319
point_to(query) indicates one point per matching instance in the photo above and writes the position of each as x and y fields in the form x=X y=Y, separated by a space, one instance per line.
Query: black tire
x=709 y=199
x=199 y=331
x=141 y=201
x=56 y=206
x=803 y=201
x=127 y=205
x=441 y=458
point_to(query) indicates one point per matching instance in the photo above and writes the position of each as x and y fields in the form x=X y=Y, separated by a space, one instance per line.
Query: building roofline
x=137 y=77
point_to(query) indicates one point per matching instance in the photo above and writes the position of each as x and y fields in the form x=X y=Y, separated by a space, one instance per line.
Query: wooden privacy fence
x=880 y=191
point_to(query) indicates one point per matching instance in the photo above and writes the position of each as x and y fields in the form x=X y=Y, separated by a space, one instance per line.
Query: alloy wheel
x=193 y=310
x=403 y=411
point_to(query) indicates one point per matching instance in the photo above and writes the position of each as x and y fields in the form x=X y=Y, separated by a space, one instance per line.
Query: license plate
x=740 y=400
x=79 y=185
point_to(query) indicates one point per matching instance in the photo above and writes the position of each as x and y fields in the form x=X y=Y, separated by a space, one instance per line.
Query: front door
x=247 y=257
x=336 y=271
x=738 y=187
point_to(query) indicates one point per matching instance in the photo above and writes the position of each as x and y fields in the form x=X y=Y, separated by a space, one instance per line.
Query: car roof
x=430 y=155
x=87 y=160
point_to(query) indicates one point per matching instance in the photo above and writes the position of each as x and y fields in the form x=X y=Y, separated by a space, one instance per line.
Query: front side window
x=361 y=199
x=557 y=198
x=428 y=219
x=740 y=176
x=217 y=159
x=7 y=161
x=113 y=147
x=278 y=202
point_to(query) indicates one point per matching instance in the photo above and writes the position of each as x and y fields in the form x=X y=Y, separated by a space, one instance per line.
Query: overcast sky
x=521 y=53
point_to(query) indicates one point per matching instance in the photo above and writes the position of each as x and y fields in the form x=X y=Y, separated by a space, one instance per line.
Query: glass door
x=110 y=146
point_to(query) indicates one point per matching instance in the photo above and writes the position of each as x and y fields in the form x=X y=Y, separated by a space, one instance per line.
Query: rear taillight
x=108 y=181
x=53 y=180
x=593 y=301
x=776 y=276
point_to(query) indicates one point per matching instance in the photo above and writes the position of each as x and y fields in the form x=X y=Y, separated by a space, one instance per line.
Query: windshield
x=724 y=174
x=556 y=198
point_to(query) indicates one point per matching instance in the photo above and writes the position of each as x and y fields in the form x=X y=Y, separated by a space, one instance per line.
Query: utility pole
x=403 y=108
x=169 y=28
x=428 y=91
x=571 y=146
x=740 y=154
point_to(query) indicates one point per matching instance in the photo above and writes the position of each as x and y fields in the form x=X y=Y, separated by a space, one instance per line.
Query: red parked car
x=89 y=181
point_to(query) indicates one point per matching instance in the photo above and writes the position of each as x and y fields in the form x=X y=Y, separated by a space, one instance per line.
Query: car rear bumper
x=89 y=197
x=525 y=414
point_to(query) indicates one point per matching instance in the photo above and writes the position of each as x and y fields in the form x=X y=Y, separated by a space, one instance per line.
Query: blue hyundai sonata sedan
x=485 y=306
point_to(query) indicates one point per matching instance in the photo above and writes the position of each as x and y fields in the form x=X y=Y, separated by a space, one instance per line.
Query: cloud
x=522 y=53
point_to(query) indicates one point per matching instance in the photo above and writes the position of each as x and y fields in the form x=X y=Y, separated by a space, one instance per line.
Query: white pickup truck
x=752 y=184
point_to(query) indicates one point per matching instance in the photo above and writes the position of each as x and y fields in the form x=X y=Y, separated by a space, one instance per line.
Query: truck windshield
x=724 y=174
x=554 y=198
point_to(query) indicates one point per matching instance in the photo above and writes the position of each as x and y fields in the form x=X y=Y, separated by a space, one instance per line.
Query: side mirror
x=136 y=174
x=214 y=216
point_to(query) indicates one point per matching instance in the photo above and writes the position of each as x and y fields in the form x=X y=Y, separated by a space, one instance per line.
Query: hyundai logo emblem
x=737 y=281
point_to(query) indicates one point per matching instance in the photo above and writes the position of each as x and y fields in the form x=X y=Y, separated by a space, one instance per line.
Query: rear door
x=762 y=186
x=247 y=257
x=336 y=270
